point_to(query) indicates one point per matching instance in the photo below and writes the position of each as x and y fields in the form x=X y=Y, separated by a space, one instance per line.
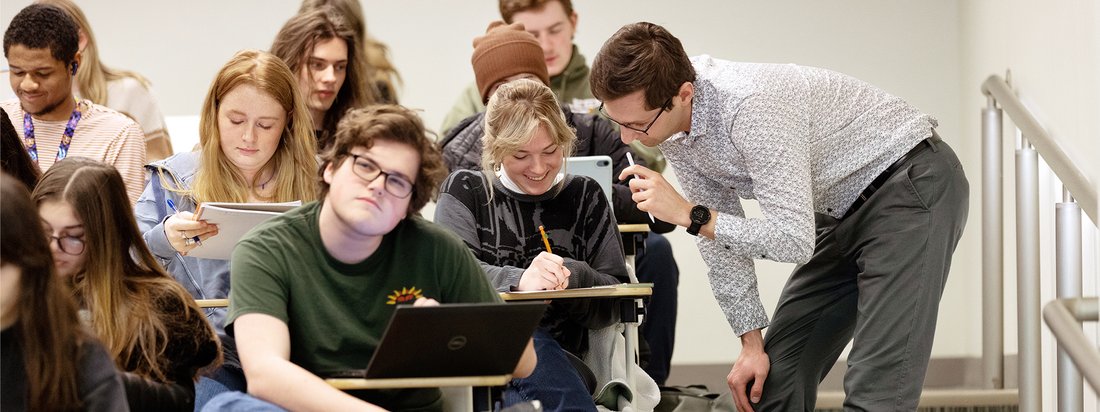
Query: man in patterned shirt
x=854 y=184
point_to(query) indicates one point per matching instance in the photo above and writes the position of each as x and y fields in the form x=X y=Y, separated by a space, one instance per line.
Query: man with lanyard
x=853 y=183
x=41 y=47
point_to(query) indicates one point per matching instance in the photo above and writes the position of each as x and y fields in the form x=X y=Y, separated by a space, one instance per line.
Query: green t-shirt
x=336 y=312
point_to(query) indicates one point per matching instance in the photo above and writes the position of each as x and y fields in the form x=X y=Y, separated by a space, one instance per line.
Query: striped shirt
x=800 y=140
x=102 y=134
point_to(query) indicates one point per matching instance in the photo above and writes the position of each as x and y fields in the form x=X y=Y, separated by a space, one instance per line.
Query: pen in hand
x=172 y=206
x=630 y=159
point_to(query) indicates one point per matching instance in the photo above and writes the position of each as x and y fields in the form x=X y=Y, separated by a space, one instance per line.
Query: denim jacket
x=204 y=278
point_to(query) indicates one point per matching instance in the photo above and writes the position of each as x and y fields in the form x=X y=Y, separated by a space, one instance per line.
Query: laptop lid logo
x=456 y=343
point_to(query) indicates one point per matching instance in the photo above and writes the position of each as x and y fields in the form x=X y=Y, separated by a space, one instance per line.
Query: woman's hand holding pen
x=182 y=229
x=547 y=272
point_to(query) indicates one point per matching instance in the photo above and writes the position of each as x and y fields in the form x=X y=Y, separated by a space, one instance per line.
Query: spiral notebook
x=234 y=220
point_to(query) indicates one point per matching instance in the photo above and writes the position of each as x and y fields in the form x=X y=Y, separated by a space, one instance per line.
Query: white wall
x=912 y=48
x=1053 y=52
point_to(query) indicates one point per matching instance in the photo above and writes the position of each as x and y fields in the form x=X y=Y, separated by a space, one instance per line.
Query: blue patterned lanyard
x=66 y=137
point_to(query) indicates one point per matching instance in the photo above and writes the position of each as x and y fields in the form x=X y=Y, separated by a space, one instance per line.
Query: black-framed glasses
x=69 y=244
x=368 y=171
x=642 y=131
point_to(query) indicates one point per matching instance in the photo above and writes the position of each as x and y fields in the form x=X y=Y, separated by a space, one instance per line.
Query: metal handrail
x=1063 y=317
x=1079 y=193
x=1053 y=152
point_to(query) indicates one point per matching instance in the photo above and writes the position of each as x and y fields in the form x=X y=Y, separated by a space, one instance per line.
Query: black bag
x=693 y=398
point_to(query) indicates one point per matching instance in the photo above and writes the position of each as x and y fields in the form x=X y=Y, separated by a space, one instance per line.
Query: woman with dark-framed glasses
x=152 y=328
x=257 y=145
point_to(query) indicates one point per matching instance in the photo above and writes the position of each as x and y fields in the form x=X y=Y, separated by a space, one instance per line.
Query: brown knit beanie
x=504 y=51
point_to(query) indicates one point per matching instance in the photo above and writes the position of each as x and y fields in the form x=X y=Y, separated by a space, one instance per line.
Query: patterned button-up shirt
x=800 y=140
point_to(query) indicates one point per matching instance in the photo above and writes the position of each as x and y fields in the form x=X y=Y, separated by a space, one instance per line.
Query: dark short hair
x=362 y=127
x=42 y=26
x=641 y=56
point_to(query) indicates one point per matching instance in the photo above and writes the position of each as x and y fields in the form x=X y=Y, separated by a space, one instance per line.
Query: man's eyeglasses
x=69 y=244
x=642 y=131
x=368 y=171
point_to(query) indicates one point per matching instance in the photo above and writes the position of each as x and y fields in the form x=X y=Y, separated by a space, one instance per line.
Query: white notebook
x=233 y=220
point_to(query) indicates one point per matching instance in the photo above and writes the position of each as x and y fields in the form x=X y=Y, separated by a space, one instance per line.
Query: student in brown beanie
x=508 y=52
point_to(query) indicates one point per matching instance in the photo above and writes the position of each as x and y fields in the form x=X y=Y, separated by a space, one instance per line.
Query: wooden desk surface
x=400 y=383
x=212 y=303
x=625 y=290
x=633 y=228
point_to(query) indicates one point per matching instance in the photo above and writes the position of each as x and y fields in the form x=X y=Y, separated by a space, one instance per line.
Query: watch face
x=700 y=215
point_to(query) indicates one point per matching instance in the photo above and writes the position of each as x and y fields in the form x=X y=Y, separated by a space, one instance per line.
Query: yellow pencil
x=545 y=240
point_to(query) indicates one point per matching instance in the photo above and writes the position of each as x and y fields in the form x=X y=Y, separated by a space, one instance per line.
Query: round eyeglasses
x=368 y=171
x=69 y=244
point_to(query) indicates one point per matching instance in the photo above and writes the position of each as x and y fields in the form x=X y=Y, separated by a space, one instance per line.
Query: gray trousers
x=876 y=277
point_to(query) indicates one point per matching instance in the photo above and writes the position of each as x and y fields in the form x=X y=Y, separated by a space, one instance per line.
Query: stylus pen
x=630 y=159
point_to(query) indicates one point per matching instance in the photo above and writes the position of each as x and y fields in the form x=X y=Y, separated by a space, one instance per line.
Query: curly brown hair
x=362 y=127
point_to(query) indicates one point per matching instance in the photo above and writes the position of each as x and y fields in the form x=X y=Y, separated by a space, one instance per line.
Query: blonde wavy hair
x=294 y=162
x=514 y=112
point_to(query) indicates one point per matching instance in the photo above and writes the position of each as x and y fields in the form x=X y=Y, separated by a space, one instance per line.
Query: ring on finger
x=188 y=241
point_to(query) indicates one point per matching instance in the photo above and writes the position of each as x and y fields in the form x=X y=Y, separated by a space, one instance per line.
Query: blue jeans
x=554 y=383
x=224 y=379
x=240 y=401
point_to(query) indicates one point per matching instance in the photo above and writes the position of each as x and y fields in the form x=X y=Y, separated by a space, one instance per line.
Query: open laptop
x=458 y=339
x=599 y=168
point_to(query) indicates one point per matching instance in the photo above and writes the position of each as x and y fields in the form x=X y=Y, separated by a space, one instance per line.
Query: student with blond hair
x=257 y=145
x=498 y=212
x=152 y=328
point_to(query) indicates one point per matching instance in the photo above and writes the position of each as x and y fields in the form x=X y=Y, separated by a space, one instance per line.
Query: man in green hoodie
x=553 y=23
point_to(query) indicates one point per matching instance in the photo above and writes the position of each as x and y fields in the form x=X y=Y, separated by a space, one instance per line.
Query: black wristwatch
x=700 y=216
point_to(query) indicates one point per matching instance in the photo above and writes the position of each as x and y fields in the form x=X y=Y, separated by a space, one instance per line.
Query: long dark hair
x=13 y=157
x=121 y=283
x=47 y=329
x=294 y=44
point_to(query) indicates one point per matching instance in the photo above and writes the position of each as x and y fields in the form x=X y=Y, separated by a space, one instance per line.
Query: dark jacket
x=461 y=148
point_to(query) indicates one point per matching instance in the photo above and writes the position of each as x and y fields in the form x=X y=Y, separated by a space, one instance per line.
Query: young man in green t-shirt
x=313 y=289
